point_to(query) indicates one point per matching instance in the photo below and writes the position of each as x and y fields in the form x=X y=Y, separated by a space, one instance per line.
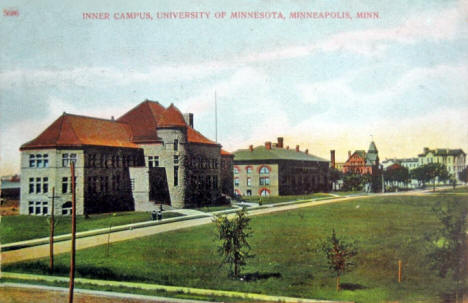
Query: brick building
x=361 y=162
x=277 y=170
x=149 y=155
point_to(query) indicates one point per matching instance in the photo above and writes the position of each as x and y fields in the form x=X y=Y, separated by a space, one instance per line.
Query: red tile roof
x=226 y=153
x=139 y=125
x=172 y=117
x=194 y=136
x=77 y=131
x=143 y=121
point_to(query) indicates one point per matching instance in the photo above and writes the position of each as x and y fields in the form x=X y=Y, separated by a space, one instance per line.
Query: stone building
x=150 y=155
x=277 y=170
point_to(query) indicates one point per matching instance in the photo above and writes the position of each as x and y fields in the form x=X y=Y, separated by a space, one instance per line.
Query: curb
x=100 y=293
x=178 y=289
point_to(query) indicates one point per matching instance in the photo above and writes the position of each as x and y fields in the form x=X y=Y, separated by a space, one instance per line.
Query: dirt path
x=42 y=251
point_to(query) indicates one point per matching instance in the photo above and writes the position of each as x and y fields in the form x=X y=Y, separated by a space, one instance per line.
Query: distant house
x=277 y=170
x=151 y=155
x=453 y=159
x=409 y=163
x=10 y=187
x=361 y=162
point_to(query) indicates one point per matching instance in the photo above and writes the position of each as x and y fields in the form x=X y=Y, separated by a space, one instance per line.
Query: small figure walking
x=159 y=215
x=153 y=215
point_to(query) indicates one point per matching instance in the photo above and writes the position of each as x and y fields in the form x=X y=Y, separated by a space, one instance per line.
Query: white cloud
x=340 y=91
x=432 y=25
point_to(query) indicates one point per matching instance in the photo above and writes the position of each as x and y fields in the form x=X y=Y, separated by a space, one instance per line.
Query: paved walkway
x=26 y=293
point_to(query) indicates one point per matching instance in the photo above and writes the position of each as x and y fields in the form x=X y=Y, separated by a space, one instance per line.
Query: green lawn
x=278 y=199
x=24 y=227
x=287 y=261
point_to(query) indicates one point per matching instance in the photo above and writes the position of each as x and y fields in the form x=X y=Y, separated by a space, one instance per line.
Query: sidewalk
x=170 y=289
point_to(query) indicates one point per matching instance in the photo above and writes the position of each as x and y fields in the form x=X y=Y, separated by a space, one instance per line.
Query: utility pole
x=52 y=227
x=73 y=240
x=216 y=119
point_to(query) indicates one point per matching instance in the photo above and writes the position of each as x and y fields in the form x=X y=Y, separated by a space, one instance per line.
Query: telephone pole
x=73 y=240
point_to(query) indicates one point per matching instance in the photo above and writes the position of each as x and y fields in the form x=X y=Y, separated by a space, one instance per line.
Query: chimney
x=349 y=154
x=251 y=147
x=332 y=158
x=307 y=151
x=280 y=142
x=188 y=117
x=297 y=148
x=268 y=145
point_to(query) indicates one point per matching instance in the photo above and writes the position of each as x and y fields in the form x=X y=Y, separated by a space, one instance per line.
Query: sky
x=400 y=79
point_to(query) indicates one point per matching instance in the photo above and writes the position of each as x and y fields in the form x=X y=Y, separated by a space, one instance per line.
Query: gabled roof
x=172 y=117
x=77 y=131
x=275 y=153
x=360 y=153
x=143 y=120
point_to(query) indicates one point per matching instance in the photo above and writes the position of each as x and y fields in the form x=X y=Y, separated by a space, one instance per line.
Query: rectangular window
x=38 y=208
x=176 y=175
x=65 y=185
x=249 y=181
x=215 y=182
x=265 y=181
x=67 y=159
x=38 y=160
x=236 y=182
x=45 y=158
x=38 y=185
x=32 y=160
x=31 y=208
x=132 y=184
x=153 y=161
x=176 y=145
x=45 y=208
x=45 y=185
x=31 y=185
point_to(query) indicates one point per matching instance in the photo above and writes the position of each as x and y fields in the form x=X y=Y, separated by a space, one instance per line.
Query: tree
x=396 y=174
x=233 y=234
x=463 y=175
x=448 y=243
x=354 y=181
x=339 y=254
x=430 y=171
x=436 y=171
x=334 y=176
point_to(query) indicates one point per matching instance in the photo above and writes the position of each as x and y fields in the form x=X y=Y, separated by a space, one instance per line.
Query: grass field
x=23 y=227
x=278 y=199
x=287 y=261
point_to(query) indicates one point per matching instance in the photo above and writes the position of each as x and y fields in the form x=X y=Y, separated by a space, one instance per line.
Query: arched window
x=67 y=208
x=264 y=192
x=264 y=170
x=249 y=169
x=236 y=170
